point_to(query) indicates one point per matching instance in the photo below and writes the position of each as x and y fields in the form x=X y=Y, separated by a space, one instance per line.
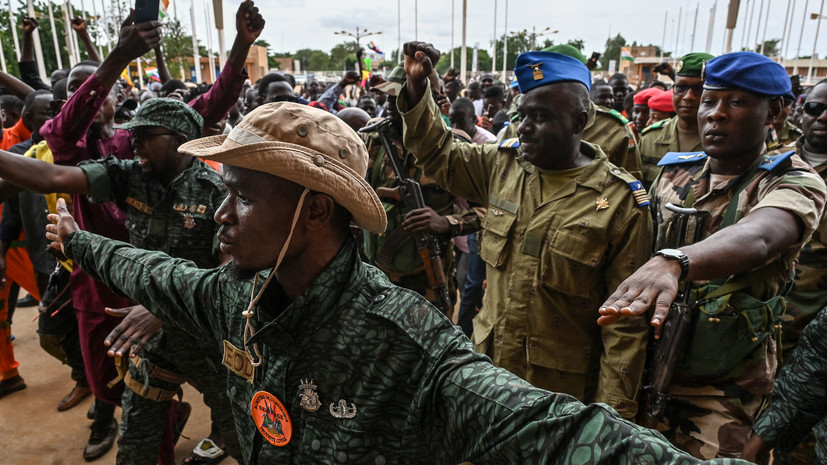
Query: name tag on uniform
x=237 y=361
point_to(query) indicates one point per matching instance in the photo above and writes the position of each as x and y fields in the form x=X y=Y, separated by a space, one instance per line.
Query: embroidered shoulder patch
x=510 y=143
x=773 y=161
x=641 y=198
x=675 y=158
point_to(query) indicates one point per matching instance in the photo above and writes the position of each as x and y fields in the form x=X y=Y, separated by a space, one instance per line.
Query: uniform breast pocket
x=325 y=442
x=493 y=243
x=572 y=263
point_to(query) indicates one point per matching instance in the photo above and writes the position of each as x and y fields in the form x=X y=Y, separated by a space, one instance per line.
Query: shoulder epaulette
x=510 y=143
x=619 y=116
x=773 y=161
x=676 y=158
x=657 y=125
x=638 y=191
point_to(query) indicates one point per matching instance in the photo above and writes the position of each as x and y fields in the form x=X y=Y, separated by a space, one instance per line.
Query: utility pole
x=463 y=59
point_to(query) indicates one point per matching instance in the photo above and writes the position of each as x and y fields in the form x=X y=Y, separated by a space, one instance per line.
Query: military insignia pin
x=310 y=398
x=201 y=209
x=679 y=66
x=342 y=410
x=538 y=73
x=602 y=203
x=271 y=418
x=703 y=71
x=189 y=222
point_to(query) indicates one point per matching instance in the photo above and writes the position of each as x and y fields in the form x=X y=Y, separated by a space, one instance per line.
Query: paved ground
x=33 y=432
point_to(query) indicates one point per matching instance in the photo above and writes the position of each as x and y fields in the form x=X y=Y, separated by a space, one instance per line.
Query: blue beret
x=535 y=69
x=748 y=71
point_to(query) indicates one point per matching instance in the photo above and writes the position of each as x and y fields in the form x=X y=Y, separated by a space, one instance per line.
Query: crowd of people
x=424 y=270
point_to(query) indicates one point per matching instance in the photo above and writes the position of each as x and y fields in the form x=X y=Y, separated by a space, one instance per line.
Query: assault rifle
x=665 y=353
x=410 y=193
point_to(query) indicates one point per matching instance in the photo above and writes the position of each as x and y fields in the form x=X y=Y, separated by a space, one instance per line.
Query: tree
x=770 y=47
x=612 y=51
x=577 y=43
x=483 y=60
x=343 y=56
x=177 y=47
x=315 y=60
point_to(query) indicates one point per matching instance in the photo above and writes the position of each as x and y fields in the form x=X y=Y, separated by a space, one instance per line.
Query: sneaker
x=101 y=440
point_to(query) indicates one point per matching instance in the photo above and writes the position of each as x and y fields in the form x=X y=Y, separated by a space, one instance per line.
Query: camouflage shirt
x=799 y=397
x=655 y=142
x=414 y=391
x=552 y=258
x=782 y=181
x=175 y=218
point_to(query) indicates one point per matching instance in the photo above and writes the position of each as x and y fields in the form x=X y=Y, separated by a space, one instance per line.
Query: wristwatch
x=675 y=254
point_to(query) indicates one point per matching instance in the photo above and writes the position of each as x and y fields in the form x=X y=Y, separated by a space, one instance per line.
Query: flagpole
x=218 y=14
x=106 y=28
x=54 y=36
x=196 y=57
x=801 y=37
x=209 y=44
x=140 y=73
x=2 y=59
x=494 y=55
x=38 y=50
x=767 y=21
x=13 y=24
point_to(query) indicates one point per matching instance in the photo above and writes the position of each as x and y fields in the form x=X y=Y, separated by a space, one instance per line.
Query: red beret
x=642 y=97
x=662 y=102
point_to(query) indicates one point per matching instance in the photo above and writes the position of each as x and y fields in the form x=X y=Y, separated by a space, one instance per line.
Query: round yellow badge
x=271 y=418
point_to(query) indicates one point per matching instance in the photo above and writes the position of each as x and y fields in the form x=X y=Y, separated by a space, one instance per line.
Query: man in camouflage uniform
x=169 y=199
x=679 y=133
x=348 y=367
x=798 y=397
x=761 y=210
x=563 y=226
x=394 y=251
x=809 y=293
x=782 y=131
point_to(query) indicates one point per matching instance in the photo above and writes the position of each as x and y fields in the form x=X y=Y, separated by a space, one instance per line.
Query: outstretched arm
x=79 y=25
x=39 y=176
x=163 y=71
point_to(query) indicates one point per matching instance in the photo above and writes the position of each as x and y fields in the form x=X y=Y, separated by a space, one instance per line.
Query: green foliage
x=343 y=56
x=483 y=65
x=612 y=51
x=312 y=60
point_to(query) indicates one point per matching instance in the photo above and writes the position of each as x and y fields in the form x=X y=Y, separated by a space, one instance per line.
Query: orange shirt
x=14 y=135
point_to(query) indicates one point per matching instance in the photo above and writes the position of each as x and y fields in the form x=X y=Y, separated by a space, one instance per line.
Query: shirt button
x=341 y=456
x=316 y=444
x=233 y=390
x=379 y=298
x=380 y=460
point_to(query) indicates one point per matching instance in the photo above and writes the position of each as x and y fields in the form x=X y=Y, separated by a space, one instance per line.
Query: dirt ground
x=33 y=432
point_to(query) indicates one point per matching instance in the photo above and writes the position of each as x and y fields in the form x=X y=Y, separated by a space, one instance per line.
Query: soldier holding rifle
x=761 y=210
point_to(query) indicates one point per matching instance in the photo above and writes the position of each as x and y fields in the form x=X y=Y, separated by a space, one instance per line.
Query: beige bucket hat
x=305 y=145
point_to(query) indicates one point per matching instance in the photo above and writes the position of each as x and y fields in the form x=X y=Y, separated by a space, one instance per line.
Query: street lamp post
x=533 y=35
x=358 y=35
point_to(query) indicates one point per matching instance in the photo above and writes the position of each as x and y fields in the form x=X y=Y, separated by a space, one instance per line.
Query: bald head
x=356 y=118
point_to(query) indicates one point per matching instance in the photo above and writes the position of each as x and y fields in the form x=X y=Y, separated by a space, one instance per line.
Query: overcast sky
x=297 y=24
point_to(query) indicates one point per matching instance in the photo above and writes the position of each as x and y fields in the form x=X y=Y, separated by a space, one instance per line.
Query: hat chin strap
x=254 y=298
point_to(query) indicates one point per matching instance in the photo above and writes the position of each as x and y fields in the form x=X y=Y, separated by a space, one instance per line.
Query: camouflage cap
x=308 y=146
x=393 y=85
x=167 y=113
x=692 y=64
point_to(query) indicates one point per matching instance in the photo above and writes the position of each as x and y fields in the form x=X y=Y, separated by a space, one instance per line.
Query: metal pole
x=70 y=13
x=13 y=27
x=505 y=44
x=140 y=73
x=801 y=36
x=218 y=13
x=743 y=29
x=815 y=42
x=70 y=47
x=710 y=31
x=416 y=19
x=452 y=33
x=463 y=59
x=211 y=63
x=783 y=42
x=196 y=56
x=677 y=34
x=494 y=57
x=766 y=22
x=663 y=39
x=97 y=24
x=758 y=26
x=789 y=32
x=2 y=59
x=731 y=22
x=749 y=28
x=694 y=28
x=54 y=36
x=399 y=28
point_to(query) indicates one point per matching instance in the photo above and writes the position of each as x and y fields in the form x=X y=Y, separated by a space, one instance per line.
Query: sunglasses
x=815 y=108
x=139 y=137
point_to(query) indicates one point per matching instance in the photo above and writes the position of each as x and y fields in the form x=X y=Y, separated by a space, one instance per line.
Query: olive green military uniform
x=177 y=219
x=551 y=259
x=414 y=390
x=731 y=357
x=395 y=251
x=655 y=142
x=608 y=129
